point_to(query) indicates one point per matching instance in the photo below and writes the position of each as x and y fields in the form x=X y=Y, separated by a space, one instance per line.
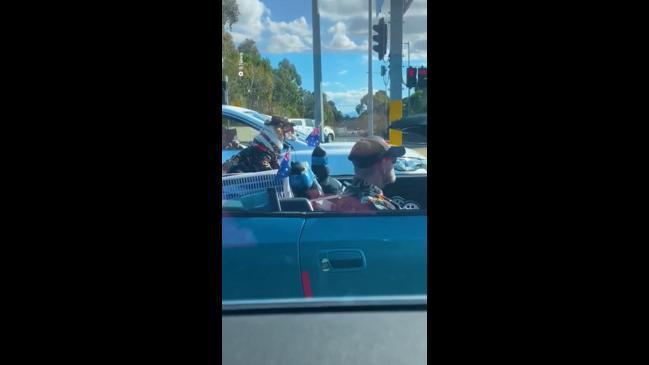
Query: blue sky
x=283 y=29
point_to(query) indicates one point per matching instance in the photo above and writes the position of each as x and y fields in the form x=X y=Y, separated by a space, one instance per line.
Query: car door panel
x=260 y=258
x=375 y=254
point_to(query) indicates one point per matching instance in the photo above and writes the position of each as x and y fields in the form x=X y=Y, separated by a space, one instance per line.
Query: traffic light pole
x=317 y=69
x=370 y=104
x=409 y=101
x=396 y=73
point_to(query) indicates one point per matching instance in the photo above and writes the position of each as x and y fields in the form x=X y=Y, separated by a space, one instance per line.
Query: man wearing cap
x=373 y=161
x=263 y=153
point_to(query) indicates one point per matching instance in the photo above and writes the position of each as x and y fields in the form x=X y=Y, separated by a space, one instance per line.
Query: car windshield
x=334 y=205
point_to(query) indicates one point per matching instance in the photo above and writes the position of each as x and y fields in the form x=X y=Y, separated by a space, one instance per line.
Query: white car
x=247 y=127
x=306 y=125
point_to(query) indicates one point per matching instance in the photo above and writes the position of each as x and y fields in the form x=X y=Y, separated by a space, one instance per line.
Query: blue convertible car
x=286 y=249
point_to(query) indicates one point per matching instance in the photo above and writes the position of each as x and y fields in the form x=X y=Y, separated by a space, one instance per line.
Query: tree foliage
x=229 y=13
x=275 y=91
x=287 y=95
x=416 y=104
x=380 y=117
x=331 y=113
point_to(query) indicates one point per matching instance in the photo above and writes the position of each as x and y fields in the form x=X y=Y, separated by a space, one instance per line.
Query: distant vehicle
x=414 y=128
x=247 y=126
x=306 y=125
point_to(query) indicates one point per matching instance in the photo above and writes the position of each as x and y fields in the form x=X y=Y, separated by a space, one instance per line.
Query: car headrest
x=295 y=205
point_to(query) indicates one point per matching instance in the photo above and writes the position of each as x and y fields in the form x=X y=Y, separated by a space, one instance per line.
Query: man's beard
x=390 y=176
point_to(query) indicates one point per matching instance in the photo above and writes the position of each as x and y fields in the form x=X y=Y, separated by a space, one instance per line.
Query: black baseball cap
x=369 y=150
x=279 y=122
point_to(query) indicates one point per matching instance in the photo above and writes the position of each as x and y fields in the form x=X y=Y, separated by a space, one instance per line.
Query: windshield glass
x=337 y=206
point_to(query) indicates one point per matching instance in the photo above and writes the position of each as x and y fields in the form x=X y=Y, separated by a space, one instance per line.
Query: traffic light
x=381 y=38
x=422 y=78
x=411 y=77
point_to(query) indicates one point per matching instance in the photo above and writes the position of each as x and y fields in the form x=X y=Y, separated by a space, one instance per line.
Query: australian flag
x=314 y=138
x=284 y=166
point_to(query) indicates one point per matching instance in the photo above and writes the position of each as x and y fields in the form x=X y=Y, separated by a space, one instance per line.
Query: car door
x=259 y=256
x=383 y=253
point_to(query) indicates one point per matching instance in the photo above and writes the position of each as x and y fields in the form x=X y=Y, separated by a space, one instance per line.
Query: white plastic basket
x=237 y=185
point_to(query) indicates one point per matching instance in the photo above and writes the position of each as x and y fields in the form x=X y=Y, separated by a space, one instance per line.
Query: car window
x=309 y=122
x=236 y=131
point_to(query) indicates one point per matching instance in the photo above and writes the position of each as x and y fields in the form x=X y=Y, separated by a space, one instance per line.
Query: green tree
x=338 y=115
x=251 y=90
x=229 y=16
x=250 y=51
x=308 y=104
x=416 y=104
x=229 y=13
x=231 y=68
x=380 y=117
x=287 y=95
x=258 y=85
x=329 y=109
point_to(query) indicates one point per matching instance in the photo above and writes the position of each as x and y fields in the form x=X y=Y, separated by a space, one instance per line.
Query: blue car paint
x=394 y=250
x=260 y=258
x=263 y=256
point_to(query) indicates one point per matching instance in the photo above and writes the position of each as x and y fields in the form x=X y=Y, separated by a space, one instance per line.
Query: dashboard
x=362 y=333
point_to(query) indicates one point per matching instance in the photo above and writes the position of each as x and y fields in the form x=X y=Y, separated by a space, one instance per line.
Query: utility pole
x=409 y=103
x=317 y=69
x=370 y=105
x=396 y=73
x=224 y=83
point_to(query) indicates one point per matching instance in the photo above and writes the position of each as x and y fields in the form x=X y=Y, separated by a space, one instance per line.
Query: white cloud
x=342 y=72
x=335 y=83
x=340 y=41
x=418 y=50
x=354 y=14
x=364 y=45
x=346 y=101
x=249 y=24
x=417 y=7
x=286 y=43
x=280 y=37
x=288 y=32
x=336 y=10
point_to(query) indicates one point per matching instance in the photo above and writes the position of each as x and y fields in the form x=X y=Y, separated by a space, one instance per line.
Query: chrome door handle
x=342 y=260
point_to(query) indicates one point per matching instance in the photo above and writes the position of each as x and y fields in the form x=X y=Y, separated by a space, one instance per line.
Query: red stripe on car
x=306 y=283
